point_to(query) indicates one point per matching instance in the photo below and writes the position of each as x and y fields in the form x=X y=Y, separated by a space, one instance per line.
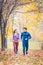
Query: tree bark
x=3 y=32
x=2 y=36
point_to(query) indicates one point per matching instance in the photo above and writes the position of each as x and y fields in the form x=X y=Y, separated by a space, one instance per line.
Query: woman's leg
x=16 y=47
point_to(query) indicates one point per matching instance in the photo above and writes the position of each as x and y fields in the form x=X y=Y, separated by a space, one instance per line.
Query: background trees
x=26 y=6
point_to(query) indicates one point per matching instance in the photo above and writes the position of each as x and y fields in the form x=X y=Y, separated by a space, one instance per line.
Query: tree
x=6 y=7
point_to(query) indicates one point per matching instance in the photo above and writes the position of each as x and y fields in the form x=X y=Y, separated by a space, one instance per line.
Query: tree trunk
x=6 y=42
x=3 y=32
x=2 y=27
x=2 y=38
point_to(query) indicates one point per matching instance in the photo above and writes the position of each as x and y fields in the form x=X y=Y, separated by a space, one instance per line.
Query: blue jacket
x=25 y=36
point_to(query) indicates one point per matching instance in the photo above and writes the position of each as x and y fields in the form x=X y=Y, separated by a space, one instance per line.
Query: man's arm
x=29 y=36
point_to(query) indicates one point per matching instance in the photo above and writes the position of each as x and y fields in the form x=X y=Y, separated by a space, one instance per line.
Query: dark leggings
x=25 y=48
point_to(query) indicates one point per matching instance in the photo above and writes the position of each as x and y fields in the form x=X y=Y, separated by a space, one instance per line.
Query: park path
x=34 y=57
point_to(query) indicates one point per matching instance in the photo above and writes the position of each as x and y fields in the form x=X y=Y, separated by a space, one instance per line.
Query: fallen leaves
x=9 y=58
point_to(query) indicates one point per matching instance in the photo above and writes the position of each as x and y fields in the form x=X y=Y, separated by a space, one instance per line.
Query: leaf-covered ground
x=34 y=57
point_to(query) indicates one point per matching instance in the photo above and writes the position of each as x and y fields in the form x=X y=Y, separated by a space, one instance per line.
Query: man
x=25 y=36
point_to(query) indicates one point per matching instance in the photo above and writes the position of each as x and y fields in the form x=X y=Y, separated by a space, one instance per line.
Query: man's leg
x=24 y=48
x=27 y=48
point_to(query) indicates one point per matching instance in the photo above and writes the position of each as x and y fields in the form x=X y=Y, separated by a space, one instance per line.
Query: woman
x=15 y=41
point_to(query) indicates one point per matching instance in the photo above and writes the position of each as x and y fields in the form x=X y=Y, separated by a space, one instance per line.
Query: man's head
x=24 y=29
